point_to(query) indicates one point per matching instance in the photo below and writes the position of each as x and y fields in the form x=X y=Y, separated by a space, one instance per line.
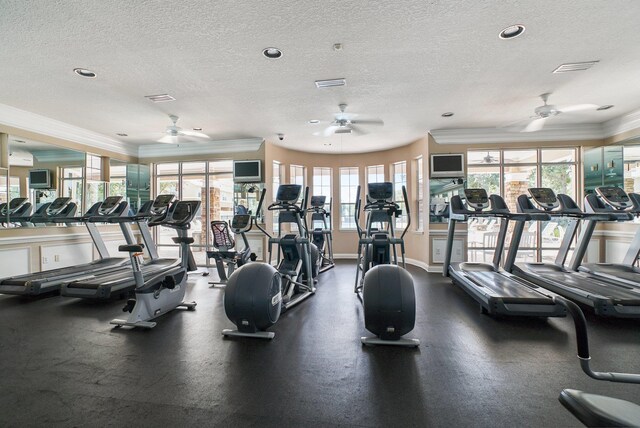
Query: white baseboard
x=412 y=262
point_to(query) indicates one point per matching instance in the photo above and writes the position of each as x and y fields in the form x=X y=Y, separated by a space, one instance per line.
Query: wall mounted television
x=247 y=171
x=447 y=165
x=40 y=179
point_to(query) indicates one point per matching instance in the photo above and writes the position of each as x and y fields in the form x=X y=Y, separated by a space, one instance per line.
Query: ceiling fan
x=546 y=111
x=345 y=123
x=173 y=132
x=489 y=158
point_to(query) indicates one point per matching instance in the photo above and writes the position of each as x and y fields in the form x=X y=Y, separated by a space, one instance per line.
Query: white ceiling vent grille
x=160 y=98
x=330 y=83
x=575 y=66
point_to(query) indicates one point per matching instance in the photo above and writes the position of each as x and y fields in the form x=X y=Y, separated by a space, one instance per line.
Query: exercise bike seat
x=598 y=410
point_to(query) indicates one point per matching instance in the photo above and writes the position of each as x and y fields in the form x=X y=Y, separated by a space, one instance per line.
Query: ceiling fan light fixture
x=272 y=53
x=511 y=32
x=447 y=114
x=605 y=107
x=83 y=72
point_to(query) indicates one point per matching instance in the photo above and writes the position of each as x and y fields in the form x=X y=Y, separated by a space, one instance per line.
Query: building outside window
x=322 y=183
x=349 y=181
x=509 y=173
x=375 y=174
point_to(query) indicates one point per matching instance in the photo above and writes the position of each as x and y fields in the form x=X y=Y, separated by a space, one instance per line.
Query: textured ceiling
x=405 y=61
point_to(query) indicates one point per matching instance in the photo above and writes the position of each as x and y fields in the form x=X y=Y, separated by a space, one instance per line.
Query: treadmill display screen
x=318 y=201
x=543 y=196
x=110 y=202
x=380 y=191
x=476 y=196
x=58 y=203
x=288 y=193
x=16 y=202
x=613 y=194
x=163 y=201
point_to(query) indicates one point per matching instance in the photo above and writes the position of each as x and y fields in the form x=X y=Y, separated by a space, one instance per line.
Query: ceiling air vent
x=330 y=83
x=160 y=98
x=575 y=66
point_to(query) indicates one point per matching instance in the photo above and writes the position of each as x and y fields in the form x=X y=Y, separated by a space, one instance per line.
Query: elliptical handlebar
x=406 y=207
x=255 y=217
x=583 y=346
x=358 y=206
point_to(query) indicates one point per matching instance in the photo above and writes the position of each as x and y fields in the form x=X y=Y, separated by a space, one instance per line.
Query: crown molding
x=621 y=124
x=497 y=135
x=200 y=148
x=21 y=119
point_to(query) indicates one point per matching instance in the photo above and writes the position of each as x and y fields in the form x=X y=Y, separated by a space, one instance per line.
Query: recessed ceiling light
x=272 y=53
x=160 y=98
x=329 y=83
x=122 y=134
x=197 y=129
x=511 y=32
x=605 y=107
x=83 y=72
x=314 y=121
x=337 y=46
x=447 y=114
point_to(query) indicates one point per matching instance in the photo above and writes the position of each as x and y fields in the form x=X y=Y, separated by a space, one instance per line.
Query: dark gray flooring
x=61 y=364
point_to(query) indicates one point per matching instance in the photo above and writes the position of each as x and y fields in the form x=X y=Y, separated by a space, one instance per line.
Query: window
x=71 y=183
x=276 y=181
x=93 y=165
x=399 y=174
x=510 y=173
x=117 y=180
x=322 y=183
x=375 y=174
x=419 y=208
x=349 y=181
x=211 y=183
x=297 y=175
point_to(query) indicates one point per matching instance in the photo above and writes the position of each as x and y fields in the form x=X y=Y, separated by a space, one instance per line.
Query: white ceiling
x=405 y=61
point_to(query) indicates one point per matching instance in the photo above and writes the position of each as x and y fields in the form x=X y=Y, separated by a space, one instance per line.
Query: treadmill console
x=544 y=197
x=614 y=196
x=161 y=204
x=288 y=193
x=380 y=191
x=318 y=201
x=57 y=206
x=109 y=205
x=13 y=206
x=478 y=199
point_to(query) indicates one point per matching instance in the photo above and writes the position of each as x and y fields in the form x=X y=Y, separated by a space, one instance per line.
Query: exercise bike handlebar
x=583 y=346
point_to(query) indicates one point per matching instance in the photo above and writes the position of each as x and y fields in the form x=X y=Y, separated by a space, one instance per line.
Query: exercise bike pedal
x=129 y=306
x=169 y=282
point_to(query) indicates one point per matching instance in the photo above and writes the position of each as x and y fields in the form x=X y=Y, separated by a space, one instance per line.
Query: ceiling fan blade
x=368 y=122
x=330 y=130
x=578 y=107
x=516 y=122
x=168 y=139
x=357 y=130
x=535 y=125
x=194 y=134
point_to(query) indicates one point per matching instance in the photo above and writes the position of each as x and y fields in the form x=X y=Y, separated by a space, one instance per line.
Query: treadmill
x=497 y=291
x=50 y=280
x=120 y=280
x=610 y=199
x=608 y=298
x=15 y=212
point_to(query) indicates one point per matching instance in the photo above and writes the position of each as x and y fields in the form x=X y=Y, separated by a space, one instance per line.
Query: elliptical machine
x=322 y=236
x=165 y=292
x=384 y=287
x=257 y=293
x=224 y=243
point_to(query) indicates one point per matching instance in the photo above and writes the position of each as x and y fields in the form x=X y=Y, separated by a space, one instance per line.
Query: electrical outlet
x=45 y=260
x=56 y=258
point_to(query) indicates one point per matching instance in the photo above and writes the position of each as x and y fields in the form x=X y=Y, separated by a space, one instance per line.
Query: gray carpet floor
x=62 y=364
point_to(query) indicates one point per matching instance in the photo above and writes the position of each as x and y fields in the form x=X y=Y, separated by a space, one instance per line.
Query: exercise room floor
x=62 y=364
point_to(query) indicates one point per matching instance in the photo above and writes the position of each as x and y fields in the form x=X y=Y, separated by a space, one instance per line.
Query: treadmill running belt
x=508 y=288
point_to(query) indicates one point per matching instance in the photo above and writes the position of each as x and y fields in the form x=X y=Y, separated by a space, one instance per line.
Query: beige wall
x=345 y=241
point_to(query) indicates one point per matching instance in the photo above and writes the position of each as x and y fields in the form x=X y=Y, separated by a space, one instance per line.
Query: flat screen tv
x=40 y=179
x=447 y=165
x=247 y=171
